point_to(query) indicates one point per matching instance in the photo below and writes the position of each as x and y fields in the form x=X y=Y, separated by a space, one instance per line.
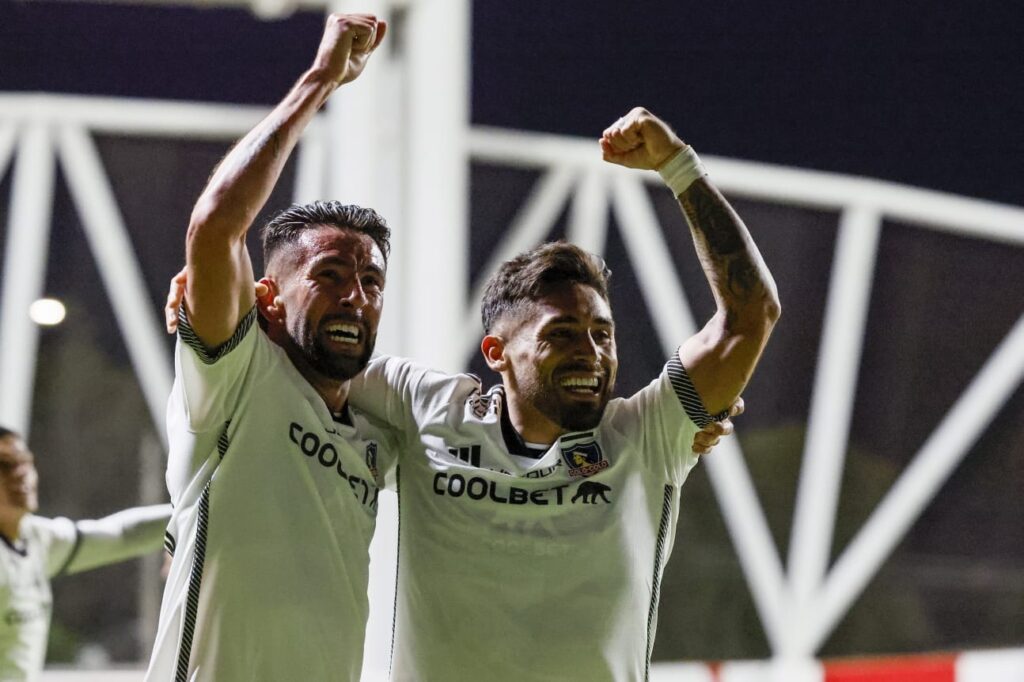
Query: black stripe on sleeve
x=687 y=394
x=72 y=554
x=188 y=335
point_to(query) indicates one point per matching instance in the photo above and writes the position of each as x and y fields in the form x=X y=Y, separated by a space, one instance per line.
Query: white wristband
x=681 y=170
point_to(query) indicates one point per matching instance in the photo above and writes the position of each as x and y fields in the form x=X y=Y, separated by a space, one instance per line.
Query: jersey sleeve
x=206 y=391
x=663 y=418
x=210 y=380
x=58 y=538
x=124 y=535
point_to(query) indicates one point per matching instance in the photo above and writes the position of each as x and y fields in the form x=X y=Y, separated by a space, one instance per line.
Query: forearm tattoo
x=719 y=234
x=246 y=152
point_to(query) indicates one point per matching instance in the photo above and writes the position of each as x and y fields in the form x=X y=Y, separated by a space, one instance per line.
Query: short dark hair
x=5 y=432
x=285 y=226
x=530 y=275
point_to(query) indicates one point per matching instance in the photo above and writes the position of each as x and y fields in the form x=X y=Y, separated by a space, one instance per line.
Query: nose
x=353 y=295
x=588 y=347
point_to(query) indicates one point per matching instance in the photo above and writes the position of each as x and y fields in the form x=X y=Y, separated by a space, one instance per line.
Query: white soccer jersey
x=516 y=568
x=275 y=506
x=50 y=547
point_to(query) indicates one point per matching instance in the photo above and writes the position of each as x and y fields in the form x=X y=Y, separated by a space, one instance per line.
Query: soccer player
x=536 y=518
x=274 y=480
x=36 y=549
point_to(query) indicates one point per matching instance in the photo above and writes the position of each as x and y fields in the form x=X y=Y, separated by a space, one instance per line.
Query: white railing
x=799 y=607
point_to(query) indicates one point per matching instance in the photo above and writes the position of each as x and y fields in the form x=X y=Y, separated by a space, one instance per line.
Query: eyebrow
x=337 y=260
x=572 y=319
x=328 y=260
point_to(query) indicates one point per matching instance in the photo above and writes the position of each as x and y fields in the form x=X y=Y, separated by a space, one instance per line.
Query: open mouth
x=585 y=386
x=343 y=332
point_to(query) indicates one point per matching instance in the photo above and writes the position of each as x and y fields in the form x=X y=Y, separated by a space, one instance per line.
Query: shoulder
x=40 y=529
x=422 y=381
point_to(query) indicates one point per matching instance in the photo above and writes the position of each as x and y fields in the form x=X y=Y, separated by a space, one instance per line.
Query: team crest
x=371 y=458
x=482 y=404
x=584 y=459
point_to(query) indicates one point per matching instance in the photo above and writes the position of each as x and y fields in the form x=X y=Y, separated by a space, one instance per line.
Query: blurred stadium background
x=870 y=507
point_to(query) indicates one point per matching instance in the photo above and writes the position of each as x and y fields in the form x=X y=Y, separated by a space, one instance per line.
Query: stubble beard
x=568 y=415
x=336 y=366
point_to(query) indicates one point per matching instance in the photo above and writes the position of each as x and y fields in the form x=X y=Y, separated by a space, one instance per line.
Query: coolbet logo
x=584 y=459
x=478 y=488
x=324 y=452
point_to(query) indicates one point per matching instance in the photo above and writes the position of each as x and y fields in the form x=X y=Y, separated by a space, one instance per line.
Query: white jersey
x=275 y=505
x=520 y=566
x=46 y=548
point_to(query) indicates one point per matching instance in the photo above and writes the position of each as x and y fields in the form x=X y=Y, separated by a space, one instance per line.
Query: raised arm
x=218 y=266
x=124 y=535
x=721 y=357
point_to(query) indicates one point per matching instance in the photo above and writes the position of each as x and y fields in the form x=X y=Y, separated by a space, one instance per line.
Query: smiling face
x=329 y=295
x=19 y=481
x=558 y=361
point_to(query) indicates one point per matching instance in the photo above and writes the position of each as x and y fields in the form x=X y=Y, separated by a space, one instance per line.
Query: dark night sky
x=925 y=93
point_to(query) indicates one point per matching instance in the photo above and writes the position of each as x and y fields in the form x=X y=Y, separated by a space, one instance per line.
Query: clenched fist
x=347 y=43
x=639 y=140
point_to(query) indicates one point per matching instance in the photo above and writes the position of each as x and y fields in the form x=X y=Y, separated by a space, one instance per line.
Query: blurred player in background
x=536 y=518
x=36 y=549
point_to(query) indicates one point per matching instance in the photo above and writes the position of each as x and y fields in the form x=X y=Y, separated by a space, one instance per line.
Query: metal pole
x=28 y=230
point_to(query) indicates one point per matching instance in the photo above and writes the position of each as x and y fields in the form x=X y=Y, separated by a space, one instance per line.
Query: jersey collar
x=19 y=547
x=516 y=446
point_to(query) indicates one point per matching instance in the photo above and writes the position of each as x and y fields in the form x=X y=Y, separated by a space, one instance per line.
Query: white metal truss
x=798 y=607
x=55 y=128
x=28 y=230
x=832 y=406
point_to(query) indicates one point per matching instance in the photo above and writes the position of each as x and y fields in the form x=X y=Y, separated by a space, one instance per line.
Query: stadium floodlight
x=47 y=312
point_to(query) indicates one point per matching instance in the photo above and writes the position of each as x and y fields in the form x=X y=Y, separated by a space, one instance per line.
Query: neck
x=10 y=523
x=531 y=425
x=333 y=391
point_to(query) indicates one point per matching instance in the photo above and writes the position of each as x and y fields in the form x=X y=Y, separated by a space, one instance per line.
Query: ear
x=493 y=348
x=269 y=300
